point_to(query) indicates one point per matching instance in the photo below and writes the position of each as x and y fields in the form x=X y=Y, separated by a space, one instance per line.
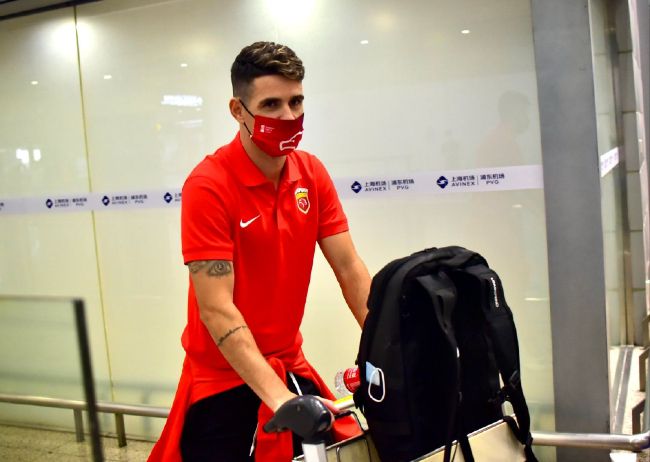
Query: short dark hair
x=263 y=58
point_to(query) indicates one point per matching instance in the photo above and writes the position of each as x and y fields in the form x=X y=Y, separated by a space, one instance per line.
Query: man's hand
x=286 y=397
x=329 y=404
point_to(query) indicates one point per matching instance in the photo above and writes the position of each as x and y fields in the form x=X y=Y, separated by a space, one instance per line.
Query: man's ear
x=236 y=110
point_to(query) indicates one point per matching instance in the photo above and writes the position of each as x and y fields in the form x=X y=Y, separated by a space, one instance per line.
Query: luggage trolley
x=308 y=417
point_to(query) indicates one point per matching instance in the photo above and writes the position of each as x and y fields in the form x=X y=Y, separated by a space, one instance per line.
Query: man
x=252 y=214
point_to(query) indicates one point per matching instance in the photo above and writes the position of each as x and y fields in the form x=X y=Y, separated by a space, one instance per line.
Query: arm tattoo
x=195 y=266
x=216 y=268
x=228 y=334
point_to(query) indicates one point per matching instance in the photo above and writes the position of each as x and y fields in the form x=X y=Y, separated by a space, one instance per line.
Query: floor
x=30 y=445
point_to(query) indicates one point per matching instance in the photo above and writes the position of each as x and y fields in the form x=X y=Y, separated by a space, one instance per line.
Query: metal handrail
x=115 y=408
x=635 y=443
x=119 y=410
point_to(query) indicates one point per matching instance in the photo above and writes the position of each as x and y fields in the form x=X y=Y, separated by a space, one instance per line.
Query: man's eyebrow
x=266 y=101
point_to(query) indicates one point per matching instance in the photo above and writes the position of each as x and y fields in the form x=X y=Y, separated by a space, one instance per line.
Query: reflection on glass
x=290 y=11
x=23 y=156
x=39 y=355
x=502 y=145
x=41 y=115
x=611 y=203
x=44 y=353
x=182 y=100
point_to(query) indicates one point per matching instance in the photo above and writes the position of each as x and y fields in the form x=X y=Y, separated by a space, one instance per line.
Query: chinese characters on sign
x=138 y=198
x=493 y=178
x=79 y=201
x=464 y=180
x=402 y=184
x=119 y=200
x=376 y=186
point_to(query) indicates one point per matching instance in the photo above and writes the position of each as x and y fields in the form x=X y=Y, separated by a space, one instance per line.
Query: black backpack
x=438 y=334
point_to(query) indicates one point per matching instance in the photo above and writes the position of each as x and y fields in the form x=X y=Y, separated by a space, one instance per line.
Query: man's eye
x=270 y=104
x=296 y=103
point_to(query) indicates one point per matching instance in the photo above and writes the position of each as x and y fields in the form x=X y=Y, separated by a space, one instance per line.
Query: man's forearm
x=238 y=346
x=213 y=285
x=350 y=271
x=355 y=285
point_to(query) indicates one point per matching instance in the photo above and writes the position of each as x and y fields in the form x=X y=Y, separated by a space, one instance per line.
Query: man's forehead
x=275 y=86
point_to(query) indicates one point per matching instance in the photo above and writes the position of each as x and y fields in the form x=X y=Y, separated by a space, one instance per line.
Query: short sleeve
x=332 y=219
x=206 y=233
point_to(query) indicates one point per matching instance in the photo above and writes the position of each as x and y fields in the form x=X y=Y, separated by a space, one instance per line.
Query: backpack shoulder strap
x=502 y=334
x=442 y=294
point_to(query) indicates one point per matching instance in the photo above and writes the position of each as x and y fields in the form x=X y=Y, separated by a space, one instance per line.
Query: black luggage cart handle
x=308 y=418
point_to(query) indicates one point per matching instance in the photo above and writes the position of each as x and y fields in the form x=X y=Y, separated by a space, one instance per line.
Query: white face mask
x=375 y=376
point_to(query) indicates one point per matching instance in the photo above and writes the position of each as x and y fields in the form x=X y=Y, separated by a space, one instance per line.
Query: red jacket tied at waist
x=270 y=447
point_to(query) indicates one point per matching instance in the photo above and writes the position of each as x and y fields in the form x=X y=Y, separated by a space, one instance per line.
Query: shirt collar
x=248 y=174
x=291 y=171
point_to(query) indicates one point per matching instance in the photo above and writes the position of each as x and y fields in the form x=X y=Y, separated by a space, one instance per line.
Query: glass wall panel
x=42 y=155
x=41 y=102
x=39 y=356
x=611 y=183
x=391 y=90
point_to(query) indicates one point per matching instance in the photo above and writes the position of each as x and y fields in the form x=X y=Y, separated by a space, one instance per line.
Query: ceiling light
x=364 y=42
x=23 y=156
x=291 y=12
x=108 y=77
x=34 y=82
x=465 y=31
x=182 y=100
x=183 y=64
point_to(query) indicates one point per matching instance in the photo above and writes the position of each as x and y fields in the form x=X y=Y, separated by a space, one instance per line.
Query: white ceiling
x=13 y=7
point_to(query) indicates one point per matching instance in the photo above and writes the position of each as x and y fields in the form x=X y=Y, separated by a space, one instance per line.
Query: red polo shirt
x=231 y=211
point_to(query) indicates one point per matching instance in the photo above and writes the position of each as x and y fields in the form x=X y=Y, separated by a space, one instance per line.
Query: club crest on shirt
x=302 y=199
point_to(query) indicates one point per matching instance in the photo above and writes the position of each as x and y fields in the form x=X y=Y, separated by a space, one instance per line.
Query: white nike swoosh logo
x=244 y=224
